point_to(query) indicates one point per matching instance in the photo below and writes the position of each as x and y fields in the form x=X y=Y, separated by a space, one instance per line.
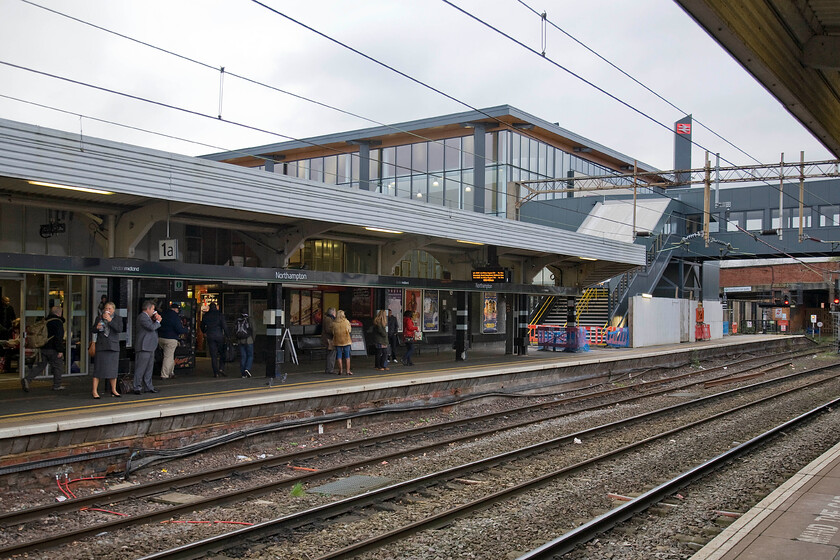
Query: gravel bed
x=274 y=505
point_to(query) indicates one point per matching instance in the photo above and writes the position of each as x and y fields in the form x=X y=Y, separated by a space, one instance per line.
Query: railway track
x=170 y=512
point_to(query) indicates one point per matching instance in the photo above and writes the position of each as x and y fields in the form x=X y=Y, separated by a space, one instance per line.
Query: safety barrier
x=702 y=332
x=619 y=338
x=554 y=337
x=538 y=335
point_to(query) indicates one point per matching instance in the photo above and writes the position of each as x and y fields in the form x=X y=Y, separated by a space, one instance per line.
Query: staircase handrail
x=653 y=255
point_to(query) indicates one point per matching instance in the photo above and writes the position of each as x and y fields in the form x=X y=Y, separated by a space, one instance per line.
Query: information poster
x=431 y=317
x=357 y=339
x=490 y=321
x=414 y=303
x=394 y=302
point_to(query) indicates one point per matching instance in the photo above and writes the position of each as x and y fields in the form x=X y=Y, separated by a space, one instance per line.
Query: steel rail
x=238 y=495
x=139 y=491
x=286 y=523
x=607 y=521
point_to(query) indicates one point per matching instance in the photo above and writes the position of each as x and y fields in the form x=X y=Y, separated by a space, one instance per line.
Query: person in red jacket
x=409 y=331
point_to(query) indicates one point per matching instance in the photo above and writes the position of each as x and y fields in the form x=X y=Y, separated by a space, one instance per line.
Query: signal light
x=787 y=301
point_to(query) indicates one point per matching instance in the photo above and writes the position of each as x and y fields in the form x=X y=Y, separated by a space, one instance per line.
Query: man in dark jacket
x=214 y=328
x=169 y=332
x=393 y=331
x=52 y=352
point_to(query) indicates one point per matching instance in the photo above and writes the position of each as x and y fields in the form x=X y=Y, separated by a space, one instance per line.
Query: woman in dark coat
x=107 y=330
x=380 y=339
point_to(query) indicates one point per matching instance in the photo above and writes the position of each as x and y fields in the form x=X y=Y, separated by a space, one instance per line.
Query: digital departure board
x=491 y=275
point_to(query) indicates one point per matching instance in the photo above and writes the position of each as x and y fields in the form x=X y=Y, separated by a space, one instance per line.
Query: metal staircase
x=641 y=281
x=592 y=309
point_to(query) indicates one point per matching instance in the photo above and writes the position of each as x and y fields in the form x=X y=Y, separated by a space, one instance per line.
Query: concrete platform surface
x=43 y=410
x=799 y=520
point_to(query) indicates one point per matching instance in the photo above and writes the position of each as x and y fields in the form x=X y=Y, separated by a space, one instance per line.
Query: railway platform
x=51 y=427
x=800 y=519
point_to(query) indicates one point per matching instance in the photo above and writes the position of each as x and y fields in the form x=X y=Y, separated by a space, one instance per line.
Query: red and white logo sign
x=683 y=128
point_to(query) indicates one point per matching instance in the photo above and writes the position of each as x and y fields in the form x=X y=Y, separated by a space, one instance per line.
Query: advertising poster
x=431 y=317
x=358 y=347
x=414 y=303
x=394 y=302
x=490 y=323
x=294 y=308
x=362 y=303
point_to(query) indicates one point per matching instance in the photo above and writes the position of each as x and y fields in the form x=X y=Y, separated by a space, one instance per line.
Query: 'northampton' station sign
x=135 y=268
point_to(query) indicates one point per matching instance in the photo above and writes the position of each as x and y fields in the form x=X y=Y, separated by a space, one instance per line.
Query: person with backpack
x=52 y=350
x=214 y=328
x=243 y=330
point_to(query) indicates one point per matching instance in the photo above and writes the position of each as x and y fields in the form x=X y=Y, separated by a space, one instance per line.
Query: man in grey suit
x=145 y=344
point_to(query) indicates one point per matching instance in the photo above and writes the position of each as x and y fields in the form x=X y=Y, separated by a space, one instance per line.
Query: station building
x=415 y=216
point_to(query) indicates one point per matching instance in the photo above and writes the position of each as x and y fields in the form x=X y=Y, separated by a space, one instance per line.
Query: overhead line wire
x=544 y=17
x=256 y=82
x=593 y=85
x=283 y=91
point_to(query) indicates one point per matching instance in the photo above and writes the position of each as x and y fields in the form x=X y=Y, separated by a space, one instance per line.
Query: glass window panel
x=303 y=169
x=316 y=169
x=354 y=166
x=502 y=141
x=452 y=154
x=492 y=192
x=542 y=159
x=404 y=187
x=374 y=164
x=418 y=157
x=388 y=160
x=491 y=147
x=468 y=143
x=452 y=192
x=467 y=191
x=534 y=155
x=419 y=188
x=436 y=191
x=525 y=147
x=516 y=150
x=330 y=169
x=403 y=160
x=829 y=216
x=774 y=219
x=389 y=186
x=755 y=220
x=435 y=150
x=735 y=219
x=806 y=217
x=343 y=174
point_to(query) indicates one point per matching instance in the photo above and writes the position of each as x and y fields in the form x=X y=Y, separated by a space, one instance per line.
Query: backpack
x=242 y=328
x=36 y=335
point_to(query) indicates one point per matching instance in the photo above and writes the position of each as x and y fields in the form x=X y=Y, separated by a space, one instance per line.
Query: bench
x=310 y=345
x=434 y=341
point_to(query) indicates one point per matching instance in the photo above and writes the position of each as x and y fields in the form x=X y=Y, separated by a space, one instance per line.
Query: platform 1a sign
x=168 y=250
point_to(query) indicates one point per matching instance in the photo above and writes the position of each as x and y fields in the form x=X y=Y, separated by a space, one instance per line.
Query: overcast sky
x=653 y=40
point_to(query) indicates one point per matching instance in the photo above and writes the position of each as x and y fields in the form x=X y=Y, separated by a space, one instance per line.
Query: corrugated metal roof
x=136 y=174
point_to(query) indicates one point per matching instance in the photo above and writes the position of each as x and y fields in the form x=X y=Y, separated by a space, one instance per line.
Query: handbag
x=92 y=349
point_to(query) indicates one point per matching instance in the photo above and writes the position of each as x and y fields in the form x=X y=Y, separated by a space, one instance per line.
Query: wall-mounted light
x=69 y=188
x=382 y=230
x=647 y=296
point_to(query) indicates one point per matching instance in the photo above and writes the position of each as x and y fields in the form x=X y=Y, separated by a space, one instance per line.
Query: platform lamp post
x=274 y=329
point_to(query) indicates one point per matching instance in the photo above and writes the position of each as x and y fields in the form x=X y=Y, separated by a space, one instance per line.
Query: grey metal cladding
x=36 y=153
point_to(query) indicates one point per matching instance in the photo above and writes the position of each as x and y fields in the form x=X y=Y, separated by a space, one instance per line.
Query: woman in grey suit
x=107 y=330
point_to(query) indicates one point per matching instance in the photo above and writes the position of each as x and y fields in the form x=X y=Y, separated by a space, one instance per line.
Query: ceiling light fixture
x=587 y=259
x=68 y=187
x=382 y=230
x=469 y=242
